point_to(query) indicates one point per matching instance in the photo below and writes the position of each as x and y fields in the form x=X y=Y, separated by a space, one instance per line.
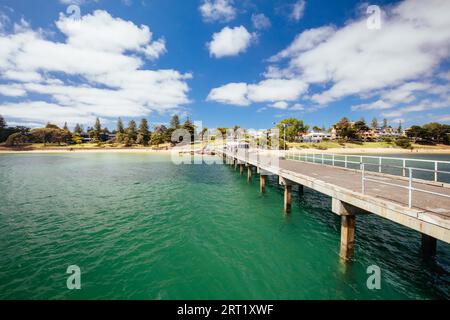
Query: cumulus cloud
x=390 y=68
x=356 y=60
x=260 y=21
x=231 y=93
x=270 y=90
x=97 y=71
x=280 y=105
x=230 y=42
x=217 y=10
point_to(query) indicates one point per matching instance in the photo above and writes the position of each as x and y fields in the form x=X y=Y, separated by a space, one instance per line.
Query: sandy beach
x=65 y=150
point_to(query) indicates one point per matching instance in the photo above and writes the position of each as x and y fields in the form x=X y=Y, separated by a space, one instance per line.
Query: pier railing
x=434 y=170
x=386 y=165
x=410 y=186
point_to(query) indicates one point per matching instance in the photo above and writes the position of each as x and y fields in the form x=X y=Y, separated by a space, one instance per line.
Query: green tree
x=51 y=126
x=78 y=129
x=374 y=123
x=403 y=142
x=120 y=131
x=416 y=132
x=189 y=126
x=76 y=138
x=50 y=135
x=157 y=138
x=67 y=133
x=293 y=127
x=175 y=122
x=437 y=132
x=360 y=126
x=131 y=133
x=345 y=129
x=97 y=130
x=385 y=123
x=143 y=136
x=2 y=128
x=2 y=123
x=15 y=139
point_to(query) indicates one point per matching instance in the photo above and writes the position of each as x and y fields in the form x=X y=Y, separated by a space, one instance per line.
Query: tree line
x=128 y=136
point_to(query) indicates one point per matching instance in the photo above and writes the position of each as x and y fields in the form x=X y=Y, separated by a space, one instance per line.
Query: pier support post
x=347 y=236
x=300 y=190
x=249 y=173
x=287 y=198
x=242 y=169
x=428 y=245
x=235 y=164
x=262 y=183
x=287 y=193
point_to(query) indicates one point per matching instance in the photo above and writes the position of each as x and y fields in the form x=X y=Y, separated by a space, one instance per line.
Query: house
x=316 y=136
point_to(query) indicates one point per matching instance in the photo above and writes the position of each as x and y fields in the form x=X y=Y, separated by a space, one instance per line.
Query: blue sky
x=224 y=62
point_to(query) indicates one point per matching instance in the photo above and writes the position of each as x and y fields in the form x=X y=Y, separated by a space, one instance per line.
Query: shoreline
x=93 y=150
x=347 y=151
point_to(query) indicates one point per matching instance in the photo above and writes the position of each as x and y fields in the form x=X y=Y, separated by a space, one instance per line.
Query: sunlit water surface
x=140 y=227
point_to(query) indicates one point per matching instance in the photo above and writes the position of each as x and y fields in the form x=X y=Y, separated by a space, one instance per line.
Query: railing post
x=333 y=159
x=363 y=178
x=436 y=171
x=379 y=164
x=410 y=189
x=346 y=161
x=322 y=158
x=404 y=167
x=314 y=157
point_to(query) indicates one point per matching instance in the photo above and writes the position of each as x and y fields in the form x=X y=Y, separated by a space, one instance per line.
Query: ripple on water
x=142 y=228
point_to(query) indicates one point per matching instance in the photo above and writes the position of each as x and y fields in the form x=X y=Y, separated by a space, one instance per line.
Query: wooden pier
x=355 y=192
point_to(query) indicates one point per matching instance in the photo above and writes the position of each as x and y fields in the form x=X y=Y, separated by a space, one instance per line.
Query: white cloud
x=230 y=42
x=101 y=32
x=270 y=90
x=355 y=60
x=298 y=9
x=232 y=93
x=217 y=10
x=305 y=41
x=280 y=105
x=424 y=105
x=90 y=74
x=297 y=107
x=377 y=105
x=276 y=90
x=260 y=21
x=12 y=90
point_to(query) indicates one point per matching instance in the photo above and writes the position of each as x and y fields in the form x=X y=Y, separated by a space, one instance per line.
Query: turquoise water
x=140 y=227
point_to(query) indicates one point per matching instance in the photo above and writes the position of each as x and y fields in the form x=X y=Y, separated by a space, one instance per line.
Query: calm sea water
x=140 y=227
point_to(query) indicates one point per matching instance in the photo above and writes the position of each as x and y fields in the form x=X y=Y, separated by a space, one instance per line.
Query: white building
x=316 y=136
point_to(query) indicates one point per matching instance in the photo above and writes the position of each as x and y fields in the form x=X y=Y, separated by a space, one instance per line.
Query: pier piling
x=287 y=198
x=262 y=183
x=428 y=245
x=300 y=190
x=242 y=169
x=347 y=236
x=249 y=173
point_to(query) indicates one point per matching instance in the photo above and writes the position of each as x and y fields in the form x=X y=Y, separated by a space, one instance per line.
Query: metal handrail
x=338 y=158
x=409 y=187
